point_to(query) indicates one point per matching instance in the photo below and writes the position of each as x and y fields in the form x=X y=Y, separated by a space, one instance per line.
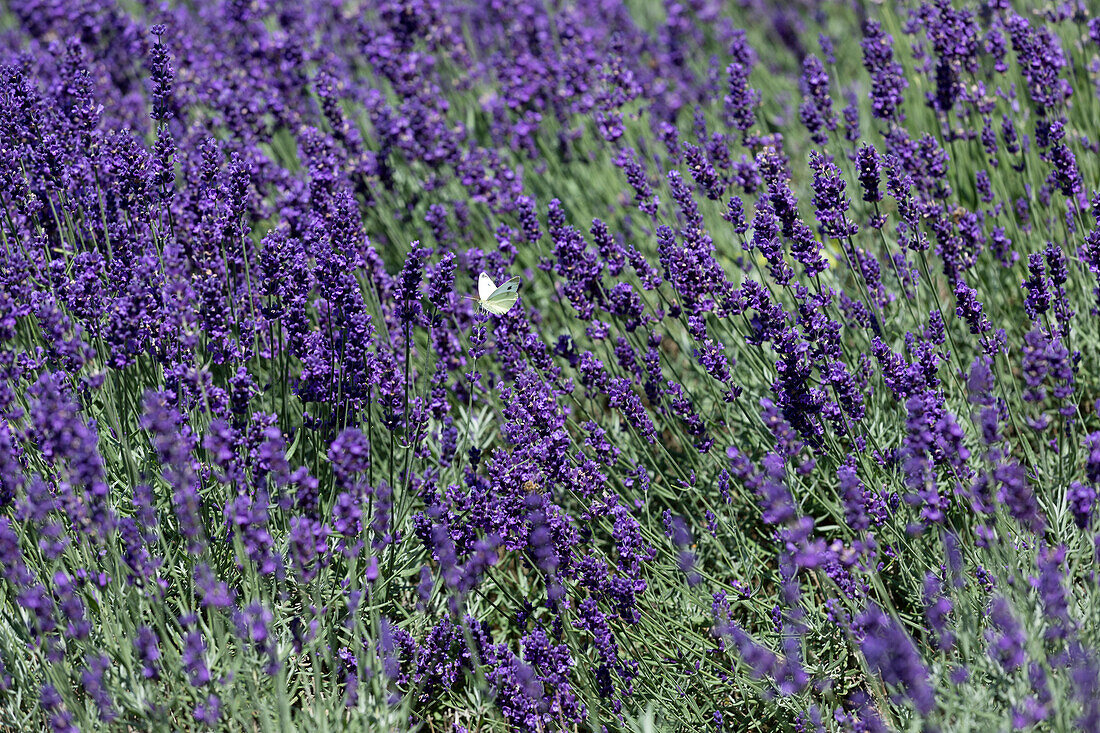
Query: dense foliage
x=795 y=426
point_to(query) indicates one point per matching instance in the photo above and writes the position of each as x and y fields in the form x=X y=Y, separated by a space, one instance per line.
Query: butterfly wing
x=485 y=287
x=509 y=286
x=501 y=300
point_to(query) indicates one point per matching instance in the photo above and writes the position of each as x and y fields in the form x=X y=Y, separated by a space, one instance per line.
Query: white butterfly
x=497 y=300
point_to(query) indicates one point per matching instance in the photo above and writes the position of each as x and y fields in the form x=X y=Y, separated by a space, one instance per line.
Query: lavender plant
x=795 y=425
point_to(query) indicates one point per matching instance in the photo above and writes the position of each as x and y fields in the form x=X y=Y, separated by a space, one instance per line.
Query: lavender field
x=794 y=425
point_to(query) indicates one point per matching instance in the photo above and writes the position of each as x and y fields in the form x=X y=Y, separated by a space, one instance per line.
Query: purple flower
x=765 y=238
x=937 y=612
x=1059 y=275
x=955 y=45
x=682 y=540
x=211 y=591
x=860 y=714
x=161 y=75
x=870 y=173
x=349 y=454
x=888 y=81
x=1038 y=299
x=1006 y=644
x=777 y=506
x=1040 y=61
x=703 y=172
x=735 y=215
x=407 y=292
x=528 y=219
x=71 y=606
x=1052 y=592
x=253 y=626
x=761 y=661
x=608 y=245
x=854 y=496
x=208 y=711
x=148 y=652
x=829 y=199
x=969 y=308
x=441 y=281
x=816 y=110
x=1046 y=359
x=68 y=442
x=741 y=100
x=1085 y=673
x=1082 y=500
x=850 y=114
x=1036 y=707
x=248 y=518
x=1016 y=494
x=174 y=442
x=1092 y=461
x=92 y=677
x=308 y=546
x=1065 y=173
x=644 y=198
x=193 y=657
x=891 y=653
x=920 y=440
